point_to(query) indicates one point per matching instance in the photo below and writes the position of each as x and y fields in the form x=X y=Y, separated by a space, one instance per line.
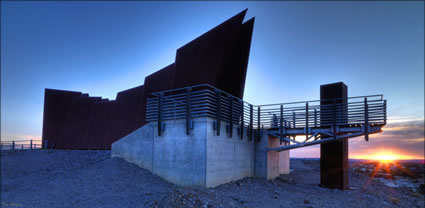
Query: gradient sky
x=102 y=48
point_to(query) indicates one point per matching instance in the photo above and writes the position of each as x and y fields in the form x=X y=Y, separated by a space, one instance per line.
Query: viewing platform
x=296 y=124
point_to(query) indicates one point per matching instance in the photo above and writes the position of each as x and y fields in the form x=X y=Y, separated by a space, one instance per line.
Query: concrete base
x=201 y=158
x=270 y=164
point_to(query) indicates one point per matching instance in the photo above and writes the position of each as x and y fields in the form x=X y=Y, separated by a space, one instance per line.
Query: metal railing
x=201 y=101
x=321 y=113
x=21 y=145
x=207 y=101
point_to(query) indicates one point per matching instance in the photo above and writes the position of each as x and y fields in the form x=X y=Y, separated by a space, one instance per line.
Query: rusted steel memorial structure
x=188 y=122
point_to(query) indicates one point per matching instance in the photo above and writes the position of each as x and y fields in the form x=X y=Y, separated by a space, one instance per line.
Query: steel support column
x=333 y=155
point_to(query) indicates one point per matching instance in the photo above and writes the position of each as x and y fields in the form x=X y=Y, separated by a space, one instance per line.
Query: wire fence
x=31 y=144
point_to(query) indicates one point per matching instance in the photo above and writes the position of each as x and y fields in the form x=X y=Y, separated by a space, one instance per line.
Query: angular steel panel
x=158 y=81
x=57 y=103
x=98 y=125
x=124 y=115
x=217 y=57
x=74 y=128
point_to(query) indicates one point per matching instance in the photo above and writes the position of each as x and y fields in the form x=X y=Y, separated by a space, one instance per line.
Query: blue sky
x=102 y=48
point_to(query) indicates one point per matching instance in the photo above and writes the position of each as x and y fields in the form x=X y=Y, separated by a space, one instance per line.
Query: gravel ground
x=40 y=178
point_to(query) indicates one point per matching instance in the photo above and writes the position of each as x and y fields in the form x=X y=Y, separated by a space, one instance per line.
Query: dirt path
x=92 y=179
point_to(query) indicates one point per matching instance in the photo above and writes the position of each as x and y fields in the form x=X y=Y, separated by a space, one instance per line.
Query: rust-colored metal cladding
x=56 y=106
x=72 y=133
x=124 y=115
x=98 y=125
x=233 y=74
x=218 y=57
x=158 y=81
x=334 y=155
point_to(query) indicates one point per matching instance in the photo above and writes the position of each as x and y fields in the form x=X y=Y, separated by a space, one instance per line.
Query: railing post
x=13 y=145
x=281 y=124
x=315 y=117
x=366 y=118
x=242 y=119
x=159 y=114
x=218 y=123
x=334 y=118
x=306 y=120
x=22 y=147
x=385 y=112
x=251 y=121
x=231 y=116
x=258 y=123
x=188 y=110
x=293 y=119
x=31 y=144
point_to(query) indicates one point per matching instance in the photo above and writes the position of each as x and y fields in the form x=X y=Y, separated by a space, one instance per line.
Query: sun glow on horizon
x=384 y=156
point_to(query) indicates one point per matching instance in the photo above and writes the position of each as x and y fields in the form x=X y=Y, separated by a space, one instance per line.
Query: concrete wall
x=270 y=164
x=201 y=158
x=137 y=147
x=228 y=159
x=178 y=157
x=284 y=162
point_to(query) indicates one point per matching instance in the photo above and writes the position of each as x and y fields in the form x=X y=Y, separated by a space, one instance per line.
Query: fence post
x=13 y=145
x=31 y=144
x=22 y=147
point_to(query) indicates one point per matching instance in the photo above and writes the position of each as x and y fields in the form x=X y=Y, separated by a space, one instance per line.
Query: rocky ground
x=39 y=178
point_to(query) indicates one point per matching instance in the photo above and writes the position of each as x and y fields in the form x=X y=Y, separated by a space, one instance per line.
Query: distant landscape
x=408 y=174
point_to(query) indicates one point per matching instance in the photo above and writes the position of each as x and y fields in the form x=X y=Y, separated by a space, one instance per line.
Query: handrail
x=205 y=100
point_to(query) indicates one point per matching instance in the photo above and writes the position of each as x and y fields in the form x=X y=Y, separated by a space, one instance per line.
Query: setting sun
x=384 y=157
